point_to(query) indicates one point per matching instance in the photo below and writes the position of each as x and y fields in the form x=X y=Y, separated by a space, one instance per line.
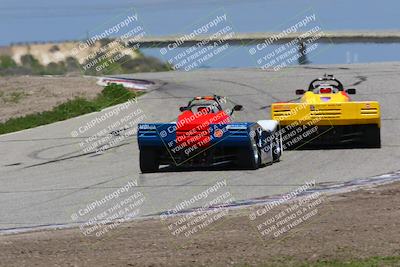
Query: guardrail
x=254 y=38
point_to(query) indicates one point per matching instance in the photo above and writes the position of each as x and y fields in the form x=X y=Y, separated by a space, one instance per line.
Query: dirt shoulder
x=22 y=95
x=348 y=226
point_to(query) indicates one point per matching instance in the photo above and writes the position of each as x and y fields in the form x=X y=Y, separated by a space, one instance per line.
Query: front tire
x=148 y=160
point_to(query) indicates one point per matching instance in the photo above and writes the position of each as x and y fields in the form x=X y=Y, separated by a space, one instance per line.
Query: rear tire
x=148 y=160
x=250 y=158
x=373 y=136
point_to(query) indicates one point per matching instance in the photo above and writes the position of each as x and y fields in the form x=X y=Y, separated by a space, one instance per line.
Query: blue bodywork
x=164 y=134
x=245 y=144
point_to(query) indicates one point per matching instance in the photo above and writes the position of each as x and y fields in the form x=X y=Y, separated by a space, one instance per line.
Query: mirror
x=351 y=91
x=182 y=109
x=300 y=92
x=237 y=107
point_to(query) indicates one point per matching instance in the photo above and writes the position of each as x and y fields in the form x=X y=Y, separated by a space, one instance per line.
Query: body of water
x=45 y=20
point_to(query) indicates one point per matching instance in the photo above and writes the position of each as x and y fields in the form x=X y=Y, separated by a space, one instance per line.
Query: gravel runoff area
x=22 y=95
x=347 y=226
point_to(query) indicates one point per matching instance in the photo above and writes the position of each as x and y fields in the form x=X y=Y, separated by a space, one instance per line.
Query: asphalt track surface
x=45 y=177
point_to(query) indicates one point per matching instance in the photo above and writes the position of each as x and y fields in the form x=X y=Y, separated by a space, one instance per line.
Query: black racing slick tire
x=148 y=161
x=373 y=137
x=250 y=158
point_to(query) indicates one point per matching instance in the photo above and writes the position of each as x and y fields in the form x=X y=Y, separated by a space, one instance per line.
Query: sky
x=47 y=20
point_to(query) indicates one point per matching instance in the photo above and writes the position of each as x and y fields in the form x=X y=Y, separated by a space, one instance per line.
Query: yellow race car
x=325 y=117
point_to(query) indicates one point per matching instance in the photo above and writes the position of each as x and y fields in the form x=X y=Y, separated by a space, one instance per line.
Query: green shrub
x=7 y=62
x=117 y=91
x=126 y=64
x=55 y=69
x=72 y=64
x=111 y=95
x=29 y=61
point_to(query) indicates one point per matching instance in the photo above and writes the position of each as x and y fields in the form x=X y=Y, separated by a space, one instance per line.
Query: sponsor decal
x=325 y=98
x=218 y=133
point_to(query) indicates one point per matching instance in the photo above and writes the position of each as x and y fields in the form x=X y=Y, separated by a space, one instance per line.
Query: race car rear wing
x=166 y=135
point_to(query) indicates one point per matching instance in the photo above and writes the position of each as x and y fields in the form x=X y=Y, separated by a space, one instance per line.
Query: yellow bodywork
x=326 y=109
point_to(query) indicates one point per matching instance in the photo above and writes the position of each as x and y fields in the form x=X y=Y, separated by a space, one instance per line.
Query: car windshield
x=324 y=88
x=204 y=106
